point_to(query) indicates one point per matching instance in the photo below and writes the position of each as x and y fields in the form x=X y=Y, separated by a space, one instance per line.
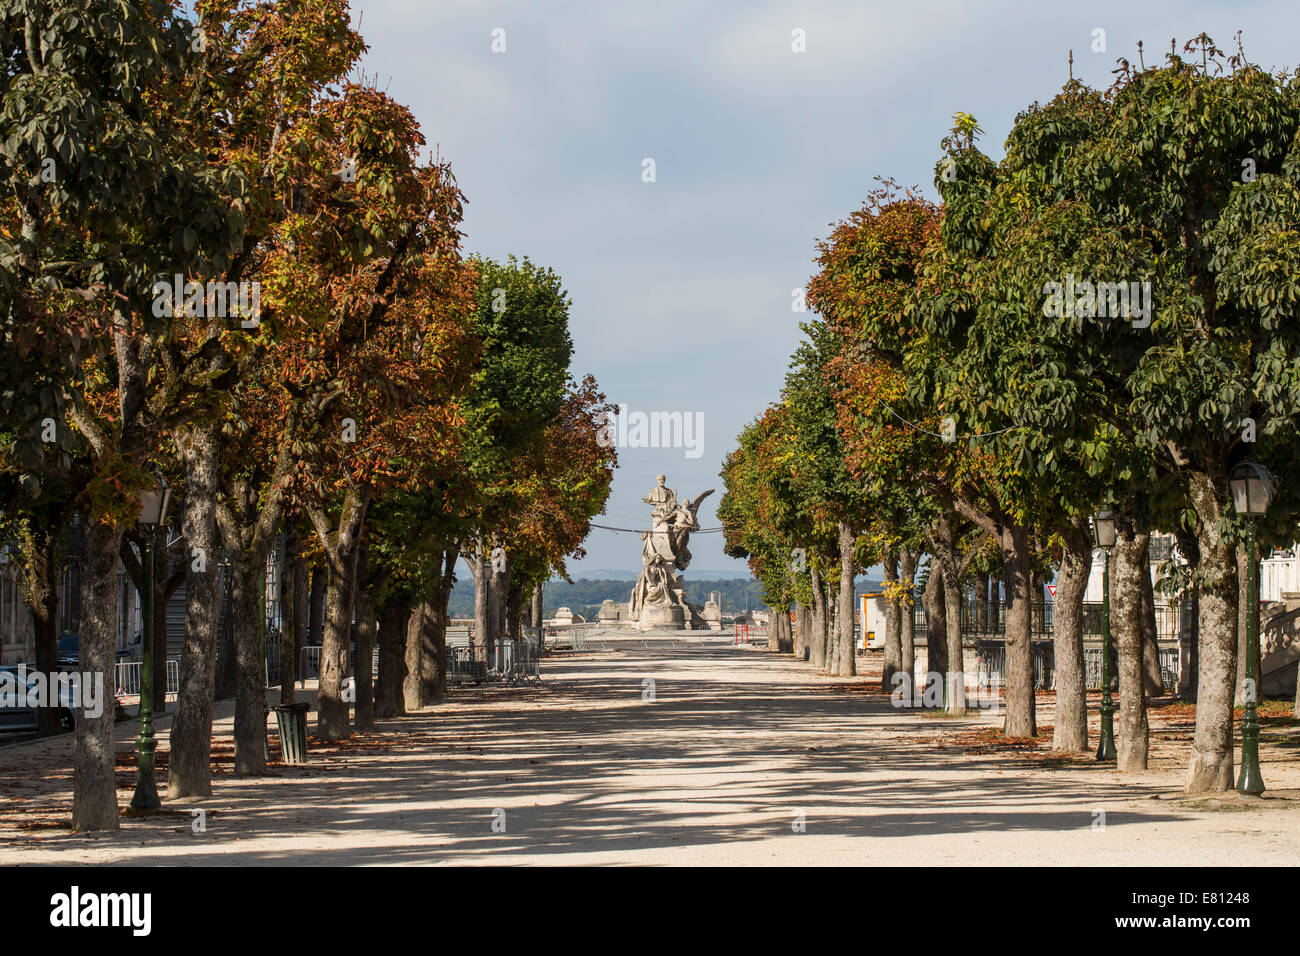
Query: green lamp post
x=1252 y=490
x=1103 y=536
x=153 y=512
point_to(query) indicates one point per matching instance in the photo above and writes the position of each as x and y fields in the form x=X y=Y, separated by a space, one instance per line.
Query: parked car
x=67 y=652
x=26 y=718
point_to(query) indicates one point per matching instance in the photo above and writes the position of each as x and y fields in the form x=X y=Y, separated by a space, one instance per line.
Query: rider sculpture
x=659 y=597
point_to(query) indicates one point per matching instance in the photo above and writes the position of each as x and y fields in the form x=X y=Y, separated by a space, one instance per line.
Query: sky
x=682 y=287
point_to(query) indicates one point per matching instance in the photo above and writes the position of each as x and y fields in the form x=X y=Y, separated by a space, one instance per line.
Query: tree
x=107 y=193
x=522 y=318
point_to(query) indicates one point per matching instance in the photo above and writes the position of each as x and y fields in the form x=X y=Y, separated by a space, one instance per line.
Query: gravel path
x=732 y=756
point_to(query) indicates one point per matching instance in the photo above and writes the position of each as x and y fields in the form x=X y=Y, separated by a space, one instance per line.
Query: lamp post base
x=146 y=789
x=1250 y=781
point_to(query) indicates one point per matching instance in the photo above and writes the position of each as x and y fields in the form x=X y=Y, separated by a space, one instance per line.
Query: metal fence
x=129 y=678
x=992 y=656
x=991 y=662
x=309 y=665
x=1169 y=668
x=574 y=635
x=463 y=667
x=983 y=618
x=990 y=617
x=516 y=662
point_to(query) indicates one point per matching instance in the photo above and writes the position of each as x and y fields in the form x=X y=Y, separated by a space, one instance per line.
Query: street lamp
x=1252 y=490
x=153 y=512
x=1103 y=536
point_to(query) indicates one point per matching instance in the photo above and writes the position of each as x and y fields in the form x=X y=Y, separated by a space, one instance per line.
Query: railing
x=129 y=678
x=987 y=618
x=516 y=662
x=991 y=662
x=1169 y=668
x=309 y=665
x=749 y=633
x=990 y=617
x=574 y=634
x=463 y=667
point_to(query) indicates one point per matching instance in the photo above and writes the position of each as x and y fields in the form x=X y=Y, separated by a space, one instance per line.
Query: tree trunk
x=361 y=667
x=393 y=619
x=980 y=615
x=538 y=613
x=996 y=612
x=1211 y=764
x=226 y=677
x=1130 y=563
x=1155 y=683
x=316 y=615
x=189 y=765
x=434 y=653
x=161 y=567
x=848 y=666
x=1243 y=611
x=433 y=626
x=954 y=654
x=955 y=691
x=289 y=616
x=514 y=603
x=802 y=625
x=94 y=785
x=936 y=629
x=1070 y=729
x=341 y=544
x=248 y=576
x=412 y=690
x=41 y=575
x=478 y=566
x=498 y=583
x=1036 y=598
x=832 y=629
x=907 y=640
x=300 y=619
x=1021 y=719
x=892 y=639
x=817 y=636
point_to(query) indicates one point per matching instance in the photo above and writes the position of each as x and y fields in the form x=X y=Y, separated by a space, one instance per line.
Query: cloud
x=681 y=288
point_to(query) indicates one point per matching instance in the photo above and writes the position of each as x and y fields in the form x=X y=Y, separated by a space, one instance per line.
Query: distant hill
x=584 y=596
x=692 y=574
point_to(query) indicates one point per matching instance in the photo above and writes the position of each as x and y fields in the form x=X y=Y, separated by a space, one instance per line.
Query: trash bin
x=292 y=719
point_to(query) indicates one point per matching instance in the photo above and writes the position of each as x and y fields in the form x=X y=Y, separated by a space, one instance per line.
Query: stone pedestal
x=663 y=616
x=712 y=614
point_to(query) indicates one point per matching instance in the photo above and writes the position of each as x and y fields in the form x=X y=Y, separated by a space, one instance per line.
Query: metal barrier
x=749 y=633
x=1169 y=668
x=309 y=666
x=129 y=676
x=574 y=634
x=991 y=662
x=463 y=667
x=528 y=664
x=518 y=663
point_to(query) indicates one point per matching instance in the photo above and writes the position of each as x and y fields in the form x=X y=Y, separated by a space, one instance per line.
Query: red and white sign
x=1051 y=589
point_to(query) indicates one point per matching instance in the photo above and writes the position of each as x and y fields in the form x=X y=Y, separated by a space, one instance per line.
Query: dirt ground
x=657 y=751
